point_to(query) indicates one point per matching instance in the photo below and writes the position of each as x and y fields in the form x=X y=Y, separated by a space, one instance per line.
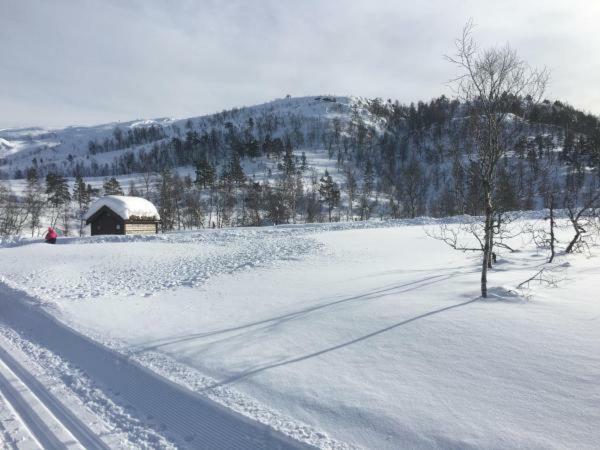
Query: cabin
x=120 y=214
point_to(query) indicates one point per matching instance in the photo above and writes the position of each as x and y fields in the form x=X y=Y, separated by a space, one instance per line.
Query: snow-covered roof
x=125 y=206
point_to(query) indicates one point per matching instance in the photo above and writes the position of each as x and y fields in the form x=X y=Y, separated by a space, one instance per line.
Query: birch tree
x=487 y=80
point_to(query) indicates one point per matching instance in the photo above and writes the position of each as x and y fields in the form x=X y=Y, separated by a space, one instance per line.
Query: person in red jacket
x=51 y=236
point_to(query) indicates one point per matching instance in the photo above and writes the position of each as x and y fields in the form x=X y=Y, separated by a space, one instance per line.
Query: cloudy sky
x=68 y=62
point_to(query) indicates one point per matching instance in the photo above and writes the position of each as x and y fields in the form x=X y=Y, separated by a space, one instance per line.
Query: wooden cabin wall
x=107 y=223
x=141 y=228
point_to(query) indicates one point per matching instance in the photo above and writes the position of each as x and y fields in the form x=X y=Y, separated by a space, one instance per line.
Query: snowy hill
x=268 y=163
x=63 y=149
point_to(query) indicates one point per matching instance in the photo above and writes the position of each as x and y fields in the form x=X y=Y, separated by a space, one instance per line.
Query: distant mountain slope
x=64 y=149
x=390 y=158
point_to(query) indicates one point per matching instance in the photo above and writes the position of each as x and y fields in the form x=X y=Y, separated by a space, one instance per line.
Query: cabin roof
x=125 y=207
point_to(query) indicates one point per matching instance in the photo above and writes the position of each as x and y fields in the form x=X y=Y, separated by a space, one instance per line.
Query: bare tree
x=582 y=214
x=13 y=214
x=487 y=80
x=468 y=236
x=351 y=189
x=34 y=200
x=549 y=189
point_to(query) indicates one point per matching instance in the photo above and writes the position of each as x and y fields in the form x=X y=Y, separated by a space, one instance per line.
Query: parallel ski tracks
x=181 y=415
x=50 y=422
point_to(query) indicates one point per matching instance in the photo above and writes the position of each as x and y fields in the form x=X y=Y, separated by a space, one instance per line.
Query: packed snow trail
x=27 y=395
x=21 y=401
x=181 y=415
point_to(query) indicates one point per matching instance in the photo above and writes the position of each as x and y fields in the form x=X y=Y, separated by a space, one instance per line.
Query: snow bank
x=125 y=207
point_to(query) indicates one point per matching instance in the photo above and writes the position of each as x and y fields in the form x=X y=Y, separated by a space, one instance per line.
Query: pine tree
x=112 y=186
x=253 y=203
x=275 y=205
x=205 y=174
x=329 y=192
x=235 y=171
x=506 y=195
x=58 y=194
x=350 y=189
x=289 y=165
x=303 y=162
x=166 y=202
x=82 y=198
x=132 y=190
x=369 y=178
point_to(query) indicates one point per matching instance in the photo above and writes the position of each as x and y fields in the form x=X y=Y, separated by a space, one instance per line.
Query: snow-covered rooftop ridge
x=125 y=206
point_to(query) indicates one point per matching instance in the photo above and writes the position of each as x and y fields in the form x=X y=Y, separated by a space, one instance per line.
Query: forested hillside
x=304 y=159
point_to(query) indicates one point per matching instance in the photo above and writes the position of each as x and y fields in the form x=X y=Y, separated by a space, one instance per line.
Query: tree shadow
x=278 y=320
x=265 y=367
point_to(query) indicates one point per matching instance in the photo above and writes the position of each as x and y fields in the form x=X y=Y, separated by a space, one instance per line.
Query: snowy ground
x=351 y=335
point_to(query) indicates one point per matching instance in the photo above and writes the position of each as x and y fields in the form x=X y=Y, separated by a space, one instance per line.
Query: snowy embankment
x=368 y=335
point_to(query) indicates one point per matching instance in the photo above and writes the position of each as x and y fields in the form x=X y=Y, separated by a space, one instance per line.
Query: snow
x=125 y=206
x=345 y=335
x=4 y=144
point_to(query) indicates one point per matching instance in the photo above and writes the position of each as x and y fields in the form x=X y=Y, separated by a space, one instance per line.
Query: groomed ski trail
x=190 y=420
x=50 y=423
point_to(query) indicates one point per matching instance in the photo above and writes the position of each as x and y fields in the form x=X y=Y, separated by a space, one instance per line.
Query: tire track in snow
x=189 y=419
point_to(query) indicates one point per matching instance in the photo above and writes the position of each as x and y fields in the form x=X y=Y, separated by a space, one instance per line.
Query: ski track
x=183 y=416
x=13 y=433
x=126 y=430
x=51 y=424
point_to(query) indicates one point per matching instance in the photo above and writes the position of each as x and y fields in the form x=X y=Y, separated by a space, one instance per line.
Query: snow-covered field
x=345 y=335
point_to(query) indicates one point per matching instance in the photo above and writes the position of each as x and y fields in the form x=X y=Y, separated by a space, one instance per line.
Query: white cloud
x=90 y=61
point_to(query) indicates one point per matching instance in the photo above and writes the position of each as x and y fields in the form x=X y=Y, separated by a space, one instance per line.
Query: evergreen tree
x=166 y=201
x=289 y=165
x=132 y=190
x=506 y=195
x=112 y=186
x=350 y=189
x=58 y=194
x=205 y=174
x=329 y=192
x=253 y=203
x=235 y=172
x=304 y=162
x=369 y=178
x=275 y=205
x=82 y=198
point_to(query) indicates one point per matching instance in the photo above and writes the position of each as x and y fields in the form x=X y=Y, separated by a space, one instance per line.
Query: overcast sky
x=86 y=62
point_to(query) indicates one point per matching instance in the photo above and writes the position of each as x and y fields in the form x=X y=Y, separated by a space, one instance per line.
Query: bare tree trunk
x=552 y=225
x=491 y=260
x=488 y=231
x=578 y=231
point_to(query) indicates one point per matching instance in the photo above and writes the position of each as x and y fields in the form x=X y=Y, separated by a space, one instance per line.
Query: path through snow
x=183 y=416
